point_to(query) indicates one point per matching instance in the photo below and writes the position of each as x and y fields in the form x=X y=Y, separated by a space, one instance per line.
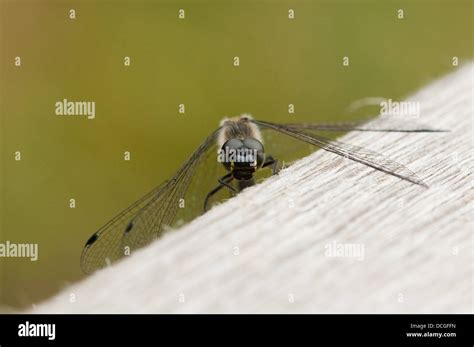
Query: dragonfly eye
x=242 y=155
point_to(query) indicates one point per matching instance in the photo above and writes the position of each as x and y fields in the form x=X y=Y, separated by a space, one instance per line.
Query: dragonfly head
x=242 y=157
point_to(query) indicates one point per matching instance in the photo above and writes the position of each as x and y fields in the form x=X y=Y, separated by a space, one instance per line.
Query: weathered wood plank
x=266 y=249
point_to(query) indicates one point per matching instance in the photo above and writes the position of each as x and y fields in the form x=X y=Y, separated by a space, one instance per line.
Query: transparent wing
x=152 y=215
x=355 y=153
x=382 y=124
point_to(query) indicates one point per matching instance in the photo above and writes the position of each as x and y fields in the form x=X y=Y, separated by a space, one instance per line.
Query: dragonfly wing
x=382 y=125
x=356 y=153
x=144 y=220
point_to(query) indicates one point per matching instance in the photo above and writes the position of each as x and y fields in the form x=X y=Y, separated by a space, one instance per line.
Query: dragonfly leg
x=223 y=182
x=270 y=161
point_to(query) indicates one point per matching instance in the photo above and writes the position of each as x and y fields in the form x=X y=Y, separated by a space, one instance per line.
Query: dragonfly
x=241 y=155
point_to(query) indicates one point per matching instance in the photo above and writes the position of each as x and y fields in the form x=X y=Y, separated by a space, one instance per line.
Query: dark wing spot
x=92 y=239
x=129 y=227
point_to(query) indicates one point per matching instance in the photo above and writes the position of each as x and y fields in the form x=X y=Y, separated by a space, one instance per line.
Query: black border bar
x=319 y=329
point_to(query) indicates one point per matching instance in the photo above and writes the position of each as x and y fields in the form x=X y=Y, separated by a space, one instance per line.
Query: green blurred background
x=176 y=61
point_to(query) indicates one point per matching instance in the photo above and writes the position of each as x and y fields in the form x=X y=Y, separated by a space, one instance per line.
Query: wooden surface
x=267 y=250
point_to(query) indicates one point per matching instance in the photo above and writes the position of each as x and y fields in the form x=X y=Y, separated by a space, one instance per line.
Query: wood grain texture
x=266 y=249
